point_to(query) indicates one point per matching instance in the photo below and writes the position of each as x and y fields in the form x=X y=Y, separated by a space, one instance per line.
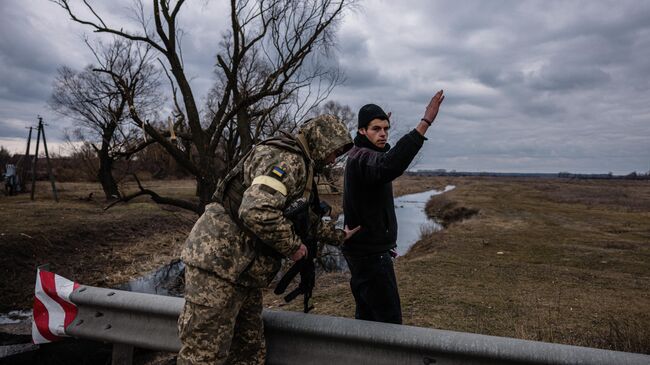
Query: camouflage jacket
x=274 y=177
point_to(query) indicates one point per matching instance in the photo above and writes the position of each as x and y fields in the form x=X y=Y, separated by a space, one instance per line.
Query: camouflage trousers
x=221 y=323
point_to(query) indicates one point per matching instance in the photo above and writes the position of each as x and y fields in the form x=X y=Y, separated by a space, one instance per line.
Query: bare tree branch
x=268 y=75
x=156 y=198
x=96 y=105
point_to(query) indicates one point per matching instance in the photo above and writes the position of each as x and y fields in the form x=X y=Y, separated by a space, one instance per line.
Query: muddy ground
x=83 y=242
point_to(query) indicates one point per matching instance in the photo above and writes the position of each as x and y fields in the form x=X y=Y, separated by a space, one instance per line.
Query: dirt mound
x=446 y=211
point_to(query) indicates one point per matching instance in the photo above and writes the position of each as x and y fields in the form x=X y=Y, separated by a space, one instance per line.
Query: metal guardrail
x=149 y=321
x=116 y=316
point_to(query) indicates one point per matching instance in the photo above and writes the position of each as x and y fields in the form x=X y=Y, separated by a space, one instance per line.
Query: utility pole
x=35 y=160
x=41 y=133
x=23 y=170
x=47 y=158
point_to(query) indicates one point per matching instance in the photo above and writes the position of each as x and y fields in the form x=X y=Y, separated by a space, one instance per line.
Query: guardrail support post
x=122 y=354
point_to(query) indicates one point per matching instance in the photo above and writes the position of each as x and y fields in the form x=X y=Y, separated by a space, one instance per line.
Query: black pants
x=374 y=288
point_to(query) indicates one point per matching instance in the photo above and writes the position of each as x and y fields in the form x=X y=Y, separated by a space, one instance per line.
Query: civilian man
x=371 y=167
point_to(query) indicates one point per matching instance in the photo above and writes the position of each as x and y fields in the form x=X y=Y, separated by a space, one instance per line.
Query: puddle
x=168 y=281
x=15 y=317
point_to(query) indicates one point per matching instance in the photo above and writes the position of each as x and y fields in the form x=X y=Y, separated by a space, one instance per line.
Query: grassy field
x=550 y=260
x=553 y=260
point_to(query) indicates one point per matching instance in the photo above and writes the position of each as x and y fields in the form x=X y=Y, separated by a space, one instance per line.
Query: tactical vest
x=230 y=190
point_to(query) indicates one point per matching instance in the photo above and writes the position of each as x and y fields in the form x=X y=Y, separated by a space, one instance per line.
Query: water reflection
x=412 y=223
x=168 y=280
x=15 y=316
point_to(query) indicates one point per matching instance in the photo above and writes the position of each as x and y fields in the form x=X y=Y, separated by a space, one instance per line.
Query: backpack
x=230 y=190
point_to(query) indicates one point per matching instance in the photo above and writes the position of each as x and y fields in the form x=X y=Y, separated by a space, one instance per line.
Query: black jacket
x=368 y=192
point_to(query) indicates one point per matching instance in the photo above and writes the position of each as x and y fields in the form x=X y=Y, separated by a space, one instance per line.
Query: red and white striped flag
x=53 y=310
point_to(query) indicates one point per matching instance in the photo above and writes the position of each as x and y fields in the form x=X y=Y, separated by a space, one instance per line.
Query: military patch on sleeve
x=277 y=172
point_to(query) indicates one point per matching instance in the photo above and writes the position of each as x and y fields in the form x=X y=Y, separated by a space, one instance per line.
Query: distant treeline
x=564 y=175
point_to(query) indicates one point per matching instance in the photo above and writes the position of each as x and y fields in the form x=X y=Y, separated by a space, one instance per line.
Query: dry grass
x=549 y=260
x=552 y=260
x=443 y=210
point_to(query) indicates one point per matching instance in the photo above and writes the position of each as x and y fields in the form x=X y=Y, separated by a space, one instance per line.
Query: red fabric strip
x=49 y=286
x=42 y=319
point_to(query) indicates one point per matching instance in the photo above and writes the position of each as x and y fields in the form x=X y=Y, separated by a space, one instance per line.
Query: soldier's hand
x=302 y=252
x=349 y=232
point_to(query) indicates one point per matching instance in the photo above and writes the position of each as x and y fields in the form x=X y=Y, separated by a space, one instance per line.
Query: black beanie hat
x=369 y=112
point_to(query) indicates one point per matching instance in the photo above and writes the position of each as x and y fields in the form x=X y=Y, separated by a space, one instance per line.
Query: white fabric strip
x=36 y=335
x=55 y=312
x=64 y=287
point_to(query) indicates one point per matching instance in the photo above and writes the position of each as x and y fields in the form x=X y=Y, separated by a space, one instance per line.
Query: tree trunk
x=244 y=130
x=204 y=190
x=105 y=176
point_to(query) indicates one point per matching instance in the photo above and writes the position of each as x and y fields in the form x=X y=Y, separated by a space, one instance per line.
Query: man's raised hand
x=432 y=109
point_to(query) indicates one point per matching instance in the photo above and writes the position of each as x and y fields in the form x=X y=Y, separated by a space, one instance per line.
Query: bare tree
x=94 y=101
x=266 y=60
x=83 y=154
x=275 y=63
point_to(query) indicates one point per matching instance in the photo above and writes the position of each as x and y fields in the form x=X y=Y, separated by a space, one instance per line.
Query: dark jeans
x=374 y=288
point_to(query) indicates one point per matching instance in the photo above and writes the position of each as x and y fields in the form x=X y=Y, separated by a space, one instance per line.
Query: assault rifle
x=298 y=213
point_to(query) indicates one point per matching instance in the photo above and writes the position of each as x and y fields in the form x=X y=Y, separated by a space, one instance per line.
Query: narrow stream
x=412 y=222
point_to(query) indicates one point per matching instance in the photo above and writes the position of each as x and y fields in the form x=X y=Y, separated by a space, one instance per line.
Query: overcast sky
x=532 y=86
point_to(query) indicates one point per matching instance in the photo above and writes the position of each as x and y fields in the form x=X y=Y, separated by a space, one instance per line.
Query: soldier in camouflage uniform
x=228 y=261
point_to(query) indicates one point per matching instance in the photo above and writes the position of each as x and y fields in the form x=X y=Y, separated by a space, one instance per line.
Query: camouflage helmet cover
x=326 y=134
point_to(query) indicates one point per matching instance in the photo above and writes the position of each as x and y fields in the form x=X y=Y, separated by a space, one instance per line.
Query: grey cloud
x=354 y=46
x=26 y=61
x=12 y=128
x=497 y=77
x=360 y=67
x=560 y=78
x=531 y=85
x=362 y=76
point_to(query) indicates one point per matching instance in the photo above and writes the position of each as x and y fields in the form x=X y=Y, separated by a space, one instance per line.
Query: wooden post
x=47 y=159
x=23 y=170
x=38 y=140
x=29 y=141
